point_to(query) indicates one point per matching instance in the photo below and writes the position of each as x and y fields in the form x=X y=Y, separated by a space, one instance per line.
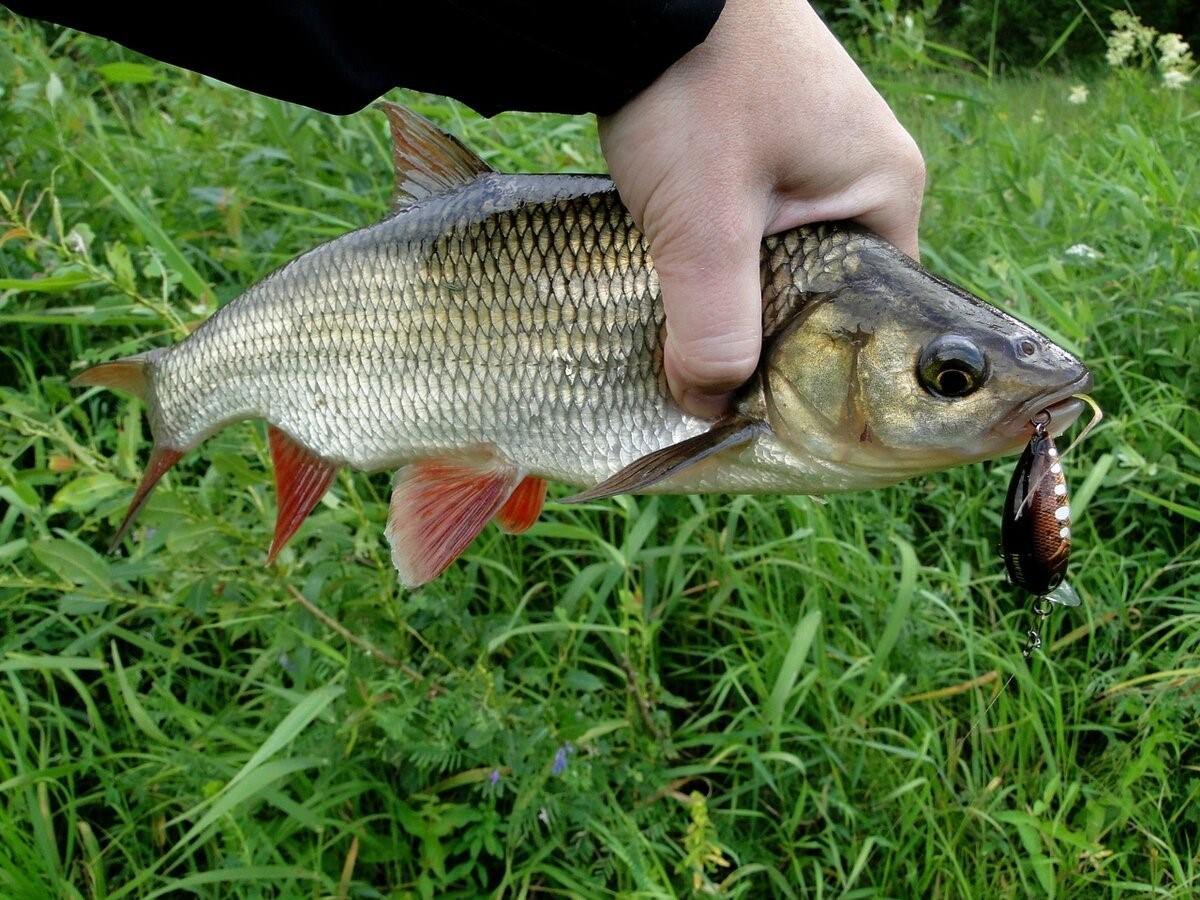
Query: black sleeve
x=543 y=55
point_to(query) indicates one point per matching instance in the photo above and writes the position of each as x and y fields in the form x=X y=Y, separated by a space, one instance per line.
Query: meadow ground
x=647 y=697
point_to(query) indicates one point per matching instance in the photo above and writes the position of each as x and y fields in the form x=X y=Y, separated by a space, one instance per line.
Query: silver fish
x=496 y=332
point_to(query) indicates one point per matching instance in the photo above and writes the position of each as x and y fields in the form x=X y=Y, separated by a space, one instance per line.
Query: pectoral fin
x=669 y=461
x=161 y=459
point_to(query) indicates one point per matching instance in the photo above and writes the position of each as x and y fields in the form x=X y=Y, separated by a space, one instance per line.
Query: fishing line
x=1033 y=642
x=1097 y=418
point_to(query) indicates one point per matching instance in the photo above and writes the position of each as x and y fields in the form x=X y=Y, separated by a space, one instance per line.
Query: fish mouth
x=1059 y=404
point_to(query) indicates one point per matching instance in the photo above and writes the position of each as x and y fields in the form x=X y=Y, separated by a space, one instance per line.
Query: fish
x=1035 y=533
x=494 y=333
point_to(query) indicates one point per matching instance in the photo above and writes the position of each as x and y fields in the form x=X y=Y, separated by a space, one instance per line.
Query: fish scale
x=449 y=324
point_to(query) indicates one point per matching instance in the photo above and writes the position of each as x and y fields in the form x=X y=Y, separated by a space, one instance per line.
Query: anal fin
x=438 y=507
x=523 y=507
x=301 y=479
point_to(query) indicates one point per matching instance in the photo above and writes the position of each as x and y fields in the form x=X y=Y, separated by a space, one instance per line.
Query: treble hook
x=1033 y=643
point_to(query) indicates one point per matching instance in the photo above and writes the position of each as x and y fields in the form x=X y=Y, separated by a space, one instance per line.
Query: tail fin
x=133 y=376
x=161 y=459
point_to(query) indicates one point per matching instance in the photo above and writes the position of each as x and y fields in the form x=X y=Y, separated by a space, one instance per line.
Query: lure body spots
x=1036 y=528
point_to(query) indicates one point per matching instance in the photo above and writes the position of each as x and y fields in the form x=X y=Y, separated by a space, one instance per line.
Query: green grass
x=762 y=696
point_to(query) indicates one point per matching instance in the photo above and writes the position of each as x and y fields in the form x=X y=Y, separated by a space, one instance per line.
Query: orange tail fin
x=132 y=375
x=161 y=459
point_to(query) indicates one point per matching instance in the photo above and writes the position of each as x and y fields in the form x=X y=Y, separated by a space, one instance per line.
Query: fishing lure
x=1035 y=531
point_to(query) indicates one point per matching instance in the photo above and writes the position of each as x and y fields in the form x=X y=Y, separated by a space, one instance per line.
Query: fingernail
x=706 y=406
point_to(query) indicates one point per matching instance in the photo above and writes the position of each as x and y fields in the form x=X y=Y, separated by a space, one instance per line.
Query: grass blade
x=155 y=236
x=789 y=670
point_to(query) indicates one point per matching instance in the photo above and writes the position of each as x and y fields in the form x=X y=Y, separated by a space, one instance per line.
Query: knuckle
x=911 y=164
x=901 y=187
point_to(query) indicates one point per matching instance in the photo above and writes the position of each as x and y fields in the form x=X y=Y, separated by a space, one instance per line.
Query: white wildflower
x=1174 y=80
x=1143 y=35
x=1038 y=117
x=1130 y=42
x=1078 y=95
x=1174 y=61
x=1173 y=52
x=1082 y=251
x=1123 y=21
x=1120 y=48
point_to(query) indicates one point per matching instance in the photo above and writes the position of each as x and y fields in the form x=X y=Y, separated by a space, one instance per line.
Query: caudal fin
x=161 y=459
x=133 y=375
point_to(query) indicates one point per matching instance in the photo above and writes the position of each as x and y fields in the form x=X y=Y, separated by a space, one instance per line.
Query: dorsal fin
x=428 y=161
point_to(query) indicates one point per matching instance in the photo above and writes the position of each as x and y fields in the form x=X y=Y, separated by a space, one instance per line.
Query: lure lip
x=1061 y=405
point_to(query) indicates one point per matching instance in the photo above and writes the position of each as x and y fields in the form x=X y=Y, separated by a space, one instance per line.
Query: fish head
x=891 y=372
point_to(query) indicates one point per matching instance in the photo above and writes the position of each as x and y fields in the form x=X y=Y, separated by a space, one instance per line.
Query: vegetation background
x=654 y=697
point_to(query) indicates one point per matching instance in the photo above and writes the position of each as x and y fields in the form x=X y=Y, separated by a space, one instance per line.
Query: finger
x=895 y=214
x=898 y=224
x=713 y=298
x=884 y=197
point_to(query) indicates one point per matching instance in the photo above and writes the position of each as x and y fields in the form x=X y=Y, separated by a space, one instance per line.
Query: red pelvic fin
x=161 y=459
x=301 y=479
x=438 y=507
x=523 y=507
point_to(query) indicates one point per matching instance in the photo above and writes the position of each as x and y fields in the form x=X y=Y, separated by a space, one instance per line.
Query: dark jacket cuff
x=560 y=56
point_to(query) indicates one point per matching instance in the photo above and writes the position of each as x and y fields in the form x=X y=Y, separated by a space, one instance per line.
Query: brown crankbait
x=1035 y=531
x=1036 y=528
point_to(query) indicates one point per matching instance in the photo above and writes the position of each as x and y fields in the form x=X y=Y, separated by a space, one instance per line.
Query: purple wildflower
x=494 y=777
x=560 y=758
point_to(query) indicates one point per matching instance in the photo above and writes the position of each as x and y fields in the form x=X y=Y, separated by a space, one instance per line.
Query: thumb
x=712 y=294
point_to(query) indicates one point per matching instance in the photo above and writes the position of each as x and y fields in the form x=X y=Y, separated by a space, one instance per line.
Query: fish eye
x=951 y=366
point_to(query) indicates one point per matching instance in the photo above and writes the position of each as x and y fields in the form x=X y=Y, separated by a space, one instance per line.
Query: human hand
x=767 y=125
